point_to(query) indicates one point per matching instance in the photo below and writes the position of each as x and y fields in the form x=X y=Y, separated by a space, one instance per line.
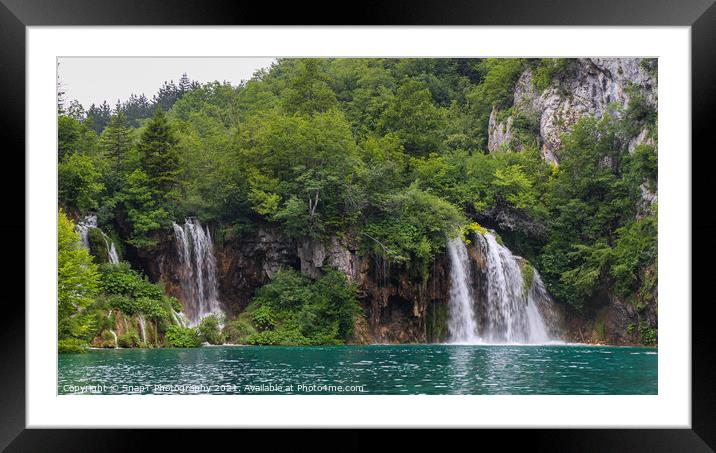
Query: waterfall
x=142 y=329
x=513 y=312
x=88 y=223
x=114 y=334
x=199 y=283
x=462 y=324
x=112 y=254
x=83 y=228
x=505 y=311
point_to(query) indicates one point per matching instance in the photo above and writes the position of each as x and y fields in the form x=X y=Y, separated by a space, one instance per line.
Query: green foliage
x=144 y=213
x=210 y=330
x=182 y=337
x=595 y=241
x=638 y=111
x=293 y=309
x=528 y=276
x=128 y=340
x=77 y=285
x=413 y=117
x=500 y=76
x=546 y=69
x=238 y=331
x=648 y=334
x=263 y=318
x=71 y=346
x=126 y=290
x=79 y=181
x=307 y=90
x=414 y=225
x=635 y=249
x=74 y=137
x=157 y=148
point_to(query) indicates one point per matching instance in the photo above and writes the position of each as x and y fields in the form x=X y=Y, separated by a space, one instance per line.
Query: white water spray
x=199 y=282
x=508 y=312
x=142 y=328
x=462 y=323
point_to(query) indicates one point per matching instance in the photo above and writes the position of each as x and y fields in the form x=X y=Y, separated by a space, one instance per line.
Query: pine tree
x=117 y=140
x=157 y=148
x=184 y=85
x=167 y=95
x=99 y=117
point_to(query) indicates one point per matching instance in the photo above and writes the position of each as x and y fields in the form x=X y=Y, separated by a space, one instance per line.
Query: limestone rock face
x=589 y=87
x=499 y=134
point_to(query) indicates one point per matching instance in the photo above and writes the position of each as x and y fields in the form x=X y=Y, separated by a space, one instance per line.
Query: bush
x=183 y=337
x=124 y=304
x=237 y=331
x=108 y=340
x=71 y=346
x=129 y=340
x=154 y=308
x=263 y=318
x=296 y=310
x=210 y=330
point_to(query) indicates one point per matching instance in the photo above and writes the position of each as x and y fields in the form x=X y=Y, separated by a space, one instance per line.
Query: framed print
x=481 y=226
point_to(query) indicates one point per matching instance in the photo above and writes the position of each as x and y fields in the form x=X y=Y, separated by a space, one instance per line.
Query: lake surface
x=374 y=369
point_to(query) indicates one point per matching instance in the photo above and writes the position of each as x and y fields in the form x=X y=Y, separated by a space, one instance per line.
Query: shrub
x=237 y=331
x=108 y=340
x=125 y=304
x=210 y=330
x=263 y=318
x=296 y=310
x=182 y=337
x=128 y=340
x=154 y=308
x=71 y=346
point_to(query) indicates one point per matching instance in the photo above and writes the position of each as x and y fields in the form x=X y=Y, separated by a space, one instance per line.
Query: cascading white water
x=90 y=222
x=508 y=312
x=462 y=324
x=84 y=226
x=199 y=283
x=142 y=329
x=513 y=312
x=112 y=254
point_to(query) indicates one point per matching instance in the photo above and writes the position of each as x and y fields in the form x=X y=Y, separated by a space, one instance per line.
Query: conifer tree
x=158 y=152
x=117 y=140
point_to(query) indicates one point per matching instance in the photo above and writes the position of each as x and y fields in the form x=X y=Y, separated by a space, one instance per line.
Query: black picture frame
x=700 y=15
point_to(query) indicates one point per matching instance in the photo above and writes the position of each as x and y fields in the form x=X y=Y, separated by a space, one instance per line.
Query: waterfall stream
x=88 y=223
x=462 y=324
x=200 y=288
x=142 y=329
x=505 y=311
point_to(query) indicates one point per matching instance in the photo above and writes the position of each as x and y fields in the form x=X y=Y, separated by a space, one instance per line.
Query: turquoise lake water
x=374 y=369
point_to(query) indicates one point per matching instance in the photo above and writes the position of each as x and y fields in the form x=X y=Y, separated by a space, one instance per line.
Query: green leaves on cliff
x=596 y=239
x=293 y=309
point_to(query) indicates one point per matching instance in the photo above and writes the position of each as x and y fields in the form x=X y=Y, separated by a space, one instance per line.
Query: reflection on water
x=379 y=369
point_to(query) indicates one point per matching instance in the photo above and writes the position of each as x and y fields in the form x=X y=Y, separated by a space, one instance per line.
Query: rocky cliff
x=585 y=87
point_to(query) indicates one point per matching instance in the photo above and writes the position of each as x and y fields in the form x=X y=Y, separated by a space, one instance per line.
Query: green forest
x=392 y=152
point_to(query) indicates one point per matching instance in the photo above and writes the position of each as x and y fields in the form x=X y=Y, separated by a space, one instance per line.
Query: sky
x=91 y=80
